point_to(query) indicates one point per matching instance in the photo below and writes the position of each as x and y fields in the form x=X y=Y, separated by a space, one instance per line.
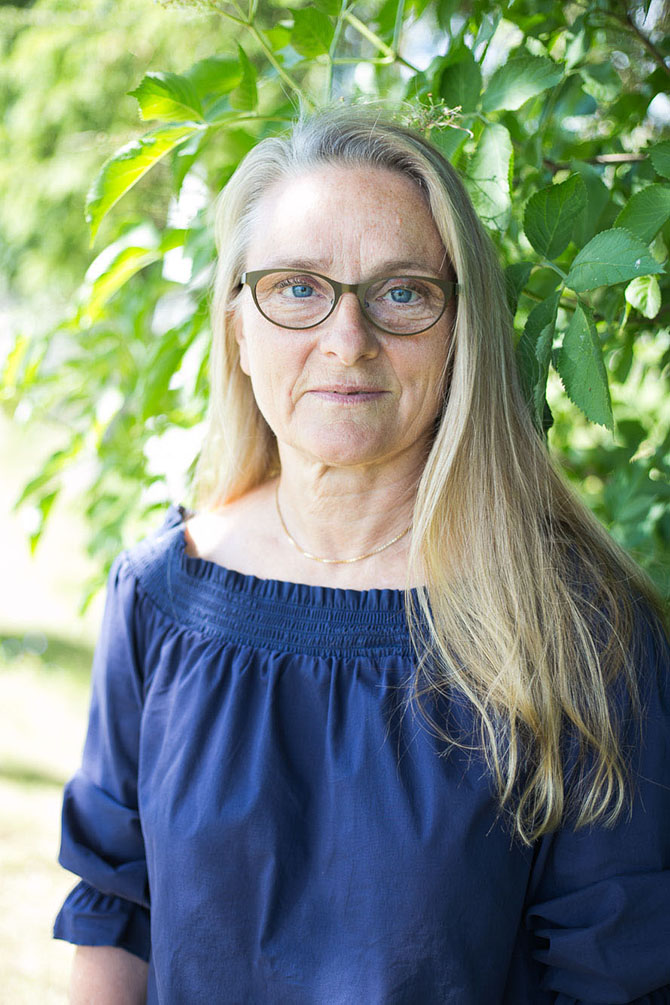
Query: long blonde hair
x=529 y=608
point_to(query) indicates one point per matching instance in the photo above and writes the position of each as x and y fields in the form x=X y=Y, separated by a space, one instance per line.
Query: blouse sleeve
x=600 y=897
x=101 y=834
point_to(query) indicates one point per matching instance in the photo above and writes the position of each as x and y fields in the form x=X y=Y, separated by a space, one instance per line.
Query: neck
x=344 y=513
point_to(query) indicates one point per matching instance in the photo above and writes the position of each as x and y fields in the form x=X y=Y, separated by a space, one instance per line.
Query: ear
x=235 y=321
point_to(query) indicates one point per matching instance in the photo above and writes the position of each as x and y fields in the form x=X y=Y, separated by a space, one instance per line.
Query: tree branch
x=655 y=54
x=599 y=159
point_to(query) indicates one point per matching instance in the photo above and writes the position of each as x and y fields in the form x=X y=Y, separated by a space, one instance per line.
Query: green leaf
x=660 y=158
x=597 y=197
x=245 y=96
x=214 y=76
x=644 y=294
x=601 y=81
x=127 y=264
x=646 y=212
x=461 y=81
x=169 y=97
x=582 y=369
x=534 y=354
x=123 y=266
x=128 y=165
x=44 y=507
x=278 y=36
x=448 y=140
x=518 y=80
x=611 y=257
x=332 y=7
x=488 y=176
x=516 y=277
x=312 y=32
x=488 y=25
x=10 y=374
x=551 y=214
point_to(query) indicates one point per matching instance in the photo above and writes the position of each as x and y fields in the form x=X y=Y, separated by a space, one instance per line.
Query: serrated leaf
x=461 y=81
x=448 y=140
x=488 y=176
x=312 y=32
x=518 y=80
x=645 y=212
x=245 y=96
x=551 y=214
x=534 y=354
x=660 y=158
x=597 y=197
x=214 y=76
x=125 y=168
x=611 y=257
x=582 y=370
x=169 y=97
x=644 y=294
x=516 y=277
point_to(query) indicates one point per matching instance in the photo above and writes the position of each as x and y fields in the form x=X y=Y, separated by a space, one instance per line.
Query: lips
x=349 y=389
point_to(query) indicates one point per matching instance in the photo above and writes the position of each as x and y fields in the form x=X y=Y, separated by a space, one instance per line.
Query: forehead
x=350 y=218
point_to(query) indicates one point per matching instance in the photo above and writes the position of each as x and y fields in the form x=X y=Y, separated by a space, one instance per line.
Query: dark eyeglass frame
x=251 y=279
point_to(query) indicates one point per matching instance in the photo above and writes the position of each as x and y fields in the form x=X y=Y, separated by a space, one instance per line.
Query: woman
x=383 y=569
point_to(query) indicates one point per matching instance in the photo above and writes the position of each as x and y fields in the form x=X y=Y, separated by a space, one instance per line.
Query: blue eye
x=401 y=295
x=301 y=291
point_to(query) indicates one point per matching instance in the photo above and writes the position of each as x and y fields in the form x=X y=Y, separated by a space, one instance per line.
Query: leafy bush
x=554 y=114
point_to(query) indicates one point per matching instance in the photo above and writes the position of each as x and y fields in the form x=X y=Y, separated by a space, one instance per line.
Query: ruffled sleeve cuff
x=91 y=918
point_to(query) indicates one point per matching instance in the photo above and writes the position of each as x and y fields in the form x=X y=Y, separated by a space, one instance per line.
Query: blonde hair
x=524 y=613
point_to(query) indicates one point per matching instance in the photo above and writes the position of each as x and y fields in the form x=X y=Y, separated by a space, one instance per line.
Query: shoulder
x=149 y=560
x=240 y=535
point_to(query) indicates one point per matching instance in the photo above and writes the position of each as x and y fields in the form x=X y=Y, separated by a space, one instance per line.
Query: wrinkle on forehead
x=350 y=217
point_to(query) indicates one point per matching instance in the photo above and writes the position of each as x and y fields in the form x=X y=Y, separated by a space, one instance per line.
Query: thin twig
x=655 y=54
x=286 y=77
x=392 y=55
x=397 y=27
x=331 y=50
x=599 y=159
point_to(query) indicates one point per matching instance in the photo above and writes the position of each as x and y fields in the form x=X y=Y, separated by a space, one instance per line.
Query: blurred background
x=549 y=111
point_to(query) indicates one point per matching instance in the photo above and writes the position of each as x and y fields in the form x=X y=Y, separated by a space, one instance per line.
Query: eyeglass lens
x=402 y=304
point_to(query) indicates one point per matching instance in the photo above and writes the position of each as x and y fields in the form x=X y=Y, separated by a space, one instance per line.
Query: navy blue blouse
x=259 y=817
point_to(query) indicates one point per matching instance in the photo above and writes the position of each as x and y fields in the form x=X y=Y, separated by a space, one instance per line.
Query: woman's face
x=344 y=393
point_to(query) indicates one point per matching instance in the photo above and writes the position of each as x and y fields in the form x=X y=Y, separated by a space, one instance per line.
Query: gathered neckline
x=205 y=568
x=240 y=608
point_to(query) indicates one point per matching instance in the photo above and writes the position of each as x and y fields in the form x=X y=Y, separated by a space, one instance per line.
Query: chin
x=348 y=452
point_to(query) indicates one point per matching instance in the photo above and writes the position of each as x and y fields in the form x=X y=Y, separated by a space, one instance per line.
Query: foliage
x=556 y=116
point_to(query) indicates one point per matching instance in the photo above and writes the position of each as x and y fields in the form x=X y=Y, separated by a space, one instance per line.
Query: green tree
x=556 y=116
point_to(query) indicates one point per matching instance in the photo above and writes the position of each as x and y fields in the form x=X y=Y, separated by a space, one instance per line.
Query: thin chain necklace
x=334 y=561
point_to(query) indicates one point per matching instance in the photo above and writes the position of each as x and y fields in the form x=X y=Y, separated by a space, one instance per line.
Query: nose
x=347 y=333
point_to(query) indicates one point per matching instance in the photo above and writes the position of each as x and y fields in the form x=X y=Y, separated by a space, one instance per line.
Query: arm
x=105 y=975
x=102 y=839
x=600 y=897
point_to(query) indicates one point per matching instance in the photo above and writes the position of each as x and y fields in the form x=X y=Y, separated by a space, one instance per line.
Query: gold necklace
x=334 y=561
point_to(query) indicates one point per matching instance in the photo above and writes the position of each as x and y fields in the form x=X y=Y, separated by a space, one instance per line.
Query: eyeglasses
x=400 y=305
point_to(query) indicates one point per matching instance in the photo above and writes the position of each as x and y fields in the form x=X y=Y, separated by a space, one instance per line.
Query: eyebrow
x=383 y=269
